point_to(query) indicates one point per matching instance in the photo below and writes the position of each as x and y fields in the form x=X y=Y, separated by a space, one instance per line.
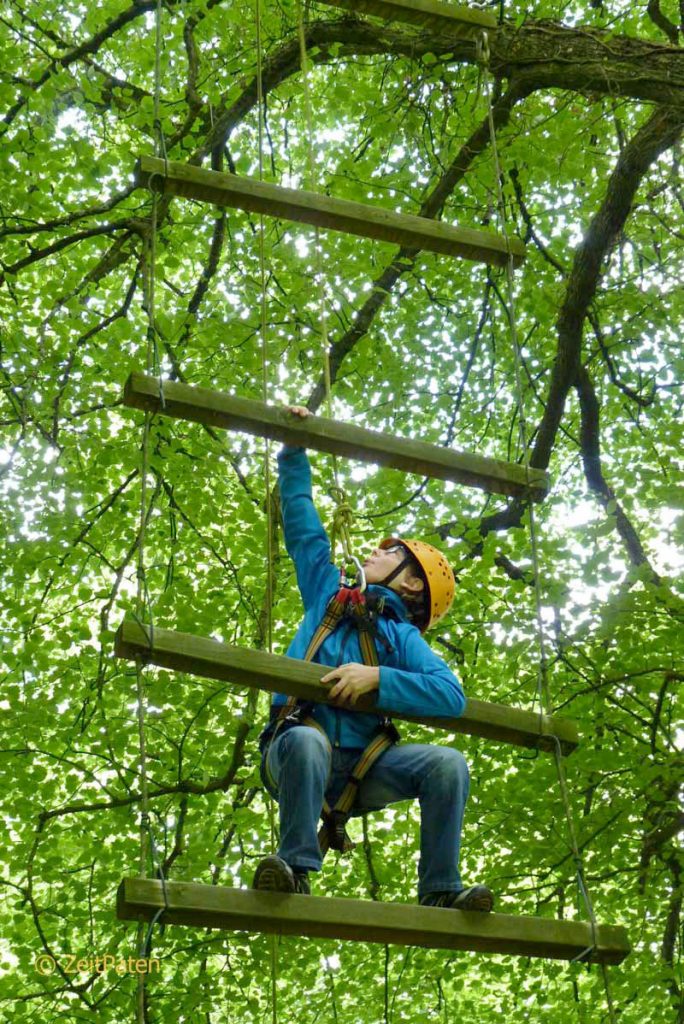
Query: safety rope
x=261 y=113
x=343 y=517
x=343 y=520
x=543 y=695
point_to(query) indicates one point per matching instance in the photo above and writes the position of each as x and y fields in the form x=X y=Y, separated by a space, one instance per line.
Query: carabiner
x=360 y=573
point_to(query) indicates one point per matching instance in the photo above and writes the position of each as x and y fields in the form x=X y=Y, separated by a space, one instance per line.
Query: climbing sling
x=351 y=603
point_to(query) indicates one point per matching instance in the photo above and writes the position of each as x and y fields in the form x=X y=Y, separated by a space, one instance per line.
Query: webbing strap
x=329 y=623
x=332 y=832
x=334 y=613
x=369 y=651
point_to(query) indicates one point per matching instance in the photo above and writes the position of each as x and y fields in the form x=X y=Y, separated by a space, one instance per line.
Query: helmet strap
x=395 y=572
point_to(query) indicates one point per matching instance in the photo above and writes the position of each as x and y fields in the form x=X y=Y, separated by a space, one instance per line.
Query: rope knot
x=343 y=521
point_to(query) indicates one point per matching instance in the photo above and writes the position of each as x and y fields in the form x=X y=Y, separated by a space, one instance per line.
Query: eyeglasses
x=392 y=550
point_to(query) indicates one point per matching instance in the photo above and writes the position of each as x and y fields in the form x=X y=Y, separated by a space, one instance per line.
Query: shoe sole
x=273 y=877
x=479 y=899
x=481 y=904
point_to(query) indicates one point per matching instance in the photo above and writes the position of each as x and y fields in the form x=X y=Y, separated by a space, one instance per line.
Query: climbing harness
x=363 y=611
x=348 y=603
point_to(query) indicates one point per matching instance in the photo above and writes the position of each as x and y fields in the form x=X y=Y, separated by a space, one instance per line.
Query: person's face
x=383 y=561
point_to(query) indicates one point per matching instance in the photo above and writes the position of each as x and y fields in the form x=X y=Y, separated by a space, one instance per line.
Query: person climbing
x=310 y=752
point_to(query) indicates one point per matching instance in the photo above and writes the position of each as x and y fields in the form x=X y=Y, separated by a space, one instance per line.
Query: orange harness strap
x=347 y=601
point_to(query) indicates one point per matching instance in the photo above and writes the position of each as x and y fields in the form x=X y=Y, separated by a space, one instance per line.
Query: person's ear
x=412 y=585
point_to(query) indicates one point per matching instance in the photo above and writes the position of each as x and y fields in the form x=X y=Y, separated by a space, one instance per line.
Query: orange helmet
x=439 y=578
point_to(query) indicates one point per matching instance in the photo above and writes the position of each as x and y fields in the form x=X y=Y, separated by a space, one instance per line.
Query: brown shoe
x=273 y=874
x=477 y=897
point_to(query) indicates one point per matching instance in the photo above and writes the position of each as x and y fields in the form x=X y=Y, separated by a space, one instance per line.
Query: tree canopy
x=588 y=106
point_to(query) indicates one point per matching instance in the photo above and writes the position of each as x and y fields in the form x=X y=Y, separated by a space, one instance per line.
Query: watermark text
x=70 y=963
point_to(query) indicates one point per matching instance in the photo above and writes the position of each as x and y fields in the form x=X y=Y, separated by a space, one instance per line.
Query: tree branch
x=662 y=22
x=405 y=259
x=660 y=132
x=591 y=460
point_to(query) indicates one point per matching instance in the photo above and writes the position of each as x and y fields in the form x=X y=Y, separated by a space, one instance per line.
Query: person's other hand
x=353 y=680
x=299 y=410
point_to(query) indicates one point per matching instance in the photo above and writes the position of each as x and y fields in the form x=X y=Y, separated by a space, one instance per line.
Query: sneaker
x=301 y=882
x=477 y=897
x=273 y=874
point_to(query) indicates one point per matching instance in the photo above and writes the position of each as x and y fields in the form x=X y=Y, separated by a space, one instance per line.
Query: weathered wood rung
x=210 y=906
x=218 y=409
x=463 y=22
x=202 y=656
x=180 y=179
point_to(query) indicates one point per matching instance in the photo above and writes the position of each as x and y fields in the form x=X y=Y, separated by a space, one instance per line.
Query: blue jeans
x=302 y=769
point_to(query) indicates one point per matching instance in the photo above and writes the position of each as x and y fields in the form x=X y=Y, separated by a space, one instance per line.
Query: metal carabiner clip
x=360 y=573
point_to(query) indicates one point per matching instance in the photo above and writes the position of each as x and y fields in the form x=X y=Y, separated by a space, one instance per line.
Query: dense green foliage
x=392 y=109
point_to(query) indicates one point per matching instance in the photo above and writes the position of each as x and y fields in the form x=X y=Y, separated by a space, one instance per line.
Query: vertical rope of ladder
x=142 y=602
x=147 y=845
x=264 y=338
x=343 y=517
x=261 y=111
x=543 y=690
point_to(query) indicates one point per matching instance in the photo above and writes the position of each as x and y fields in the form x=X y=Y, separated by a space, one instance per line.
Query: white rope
x=342 y=518
x=143 y=606
x=261 y=111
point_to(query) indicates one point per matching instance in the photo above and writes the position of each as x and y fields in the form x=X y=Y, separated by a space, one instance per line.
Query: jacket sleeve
x=305 y=539
x=423 y=684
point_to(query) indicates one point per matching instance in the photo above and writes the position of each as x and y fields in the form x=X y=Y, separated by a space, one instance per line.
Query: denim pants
x=302 y=768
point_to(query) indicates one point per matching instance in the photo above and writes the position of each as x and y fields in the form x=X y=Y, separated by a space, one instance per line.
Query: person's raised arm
x=305 y=538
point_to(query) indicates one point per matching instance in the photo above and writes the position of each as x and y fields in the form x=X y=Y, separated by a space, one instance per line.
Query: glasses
x=392 y=550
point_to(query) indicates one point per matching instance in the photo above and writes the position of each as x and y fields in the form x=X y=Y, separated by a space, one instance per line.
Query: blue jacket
x=412 y=678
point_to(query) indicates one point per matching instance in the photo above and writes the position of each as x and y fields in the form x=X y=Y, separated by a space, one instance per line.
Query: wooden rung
x=464 y=22
x=202 y=656
x=181 y=179
x=402 y=924
x=218 y=409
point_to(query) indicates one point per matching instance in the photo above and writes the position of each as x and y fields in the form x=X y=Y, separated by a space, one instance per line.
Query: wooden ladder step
x=218 y=409
x=202 y=656
x=463 y=22
x=403 y=924
x=223 y=189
